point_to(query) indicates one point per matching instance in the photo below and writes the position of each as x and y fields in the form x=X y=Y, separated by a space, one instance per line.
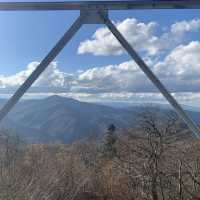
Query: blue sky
x=26 y=37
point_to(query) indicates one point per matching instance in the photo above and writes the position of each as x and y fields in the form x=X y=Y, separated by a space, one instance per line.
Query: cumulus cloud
x=123 y=77
x=180 y=69
x=182 y=27
x=51 y=77
x=140 y=35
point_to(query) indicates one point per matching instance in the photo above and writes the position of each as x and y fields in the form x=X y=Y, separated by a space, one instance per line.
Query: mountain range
x=63 y=119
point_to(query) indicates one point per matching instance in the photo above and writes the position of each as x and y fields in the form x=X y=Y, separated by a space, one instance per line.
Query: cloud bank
x=142 y=36
x=178 y=68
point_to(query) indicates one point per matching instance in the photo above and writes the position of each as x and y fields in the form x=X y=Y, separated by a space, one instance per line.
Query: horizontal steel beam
x=106 y=5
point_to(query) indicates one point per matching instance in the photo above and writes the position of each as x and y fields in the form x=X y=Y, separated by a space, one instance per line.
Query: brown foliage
x=154 y=165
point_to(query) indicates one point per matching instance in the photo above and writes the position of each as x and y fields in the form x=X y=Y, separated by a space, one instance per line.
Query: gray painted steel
x=106 y=5
x=93 y=17
x=191 y=125
x=41 y=67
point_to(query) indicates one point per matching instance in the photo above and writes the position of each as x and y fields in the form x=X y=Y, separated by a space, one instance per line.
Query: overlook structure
x=97 y=12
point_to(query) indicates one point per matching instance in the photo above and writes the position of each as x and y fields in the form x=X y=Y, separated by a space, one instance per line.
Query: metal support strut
x=143 y=66
x=41 y=67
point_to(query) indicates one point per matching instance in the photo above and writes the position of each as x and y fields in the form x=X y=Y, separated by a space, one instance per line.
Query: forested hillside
x=63 y=119
x=158 y=159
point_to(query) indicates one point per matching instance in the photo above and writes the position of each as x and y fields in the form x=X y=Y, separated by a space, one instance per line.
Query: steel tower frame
x=96 y=12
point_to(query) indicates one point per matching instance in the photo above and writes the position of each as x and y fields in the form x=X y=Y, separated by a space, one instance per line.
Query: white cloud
x=51 y=77
x=180 y=28
x=123 y=77
x=140 y=35
x=180 y=69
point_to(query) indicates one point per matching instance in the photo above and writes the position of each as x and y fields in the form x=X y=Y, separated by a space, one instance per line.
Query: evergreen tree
x=108 y=147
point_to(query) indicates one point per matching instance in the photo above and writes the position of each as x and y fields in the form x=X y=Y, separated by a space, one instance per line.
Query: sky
x=93 y=66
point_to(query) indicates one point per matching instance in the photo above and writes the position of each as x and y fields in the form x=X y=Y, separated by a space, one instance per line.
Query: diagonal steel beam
x=191 y=125
x=42 y=66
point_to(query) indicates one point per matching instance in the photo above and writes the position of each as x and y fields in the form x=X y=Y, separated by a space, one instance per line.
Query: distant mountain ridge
x=66 y=119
